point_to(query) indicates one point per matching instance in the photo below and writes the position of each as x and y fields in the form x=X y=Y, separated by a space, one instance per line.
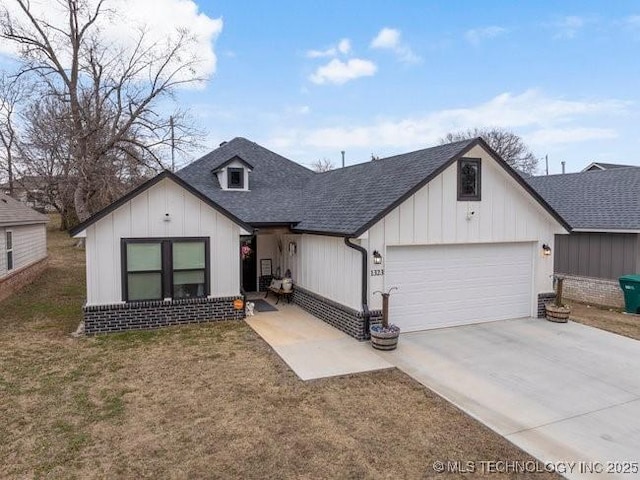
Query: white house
x=23 y=245
x=454 y=228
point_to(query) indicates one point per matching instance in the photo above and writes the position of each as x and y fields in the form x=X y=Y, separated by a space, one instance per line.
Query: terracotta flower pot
x=557 y=314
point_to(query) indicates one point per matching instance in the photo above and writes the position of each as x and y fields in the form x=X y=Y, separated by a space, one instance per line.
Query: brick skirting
x=350 y=321
x=158 y=313
x=20 y=278
x=544 y=298
x=595 y=291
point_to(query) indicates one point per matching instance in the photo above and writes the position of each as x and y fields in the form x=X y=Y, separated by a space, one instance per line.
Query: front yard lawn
x=606 y=319
x=203 y=401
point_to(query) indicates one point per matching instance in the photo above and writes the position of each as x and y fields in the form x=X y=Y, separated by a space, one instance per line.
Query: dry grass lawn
x=606 y=319
x=208 y=401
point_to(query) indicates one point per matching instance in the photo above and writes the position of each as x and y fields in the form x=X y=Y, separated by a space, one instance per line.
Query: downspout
x=365 y=289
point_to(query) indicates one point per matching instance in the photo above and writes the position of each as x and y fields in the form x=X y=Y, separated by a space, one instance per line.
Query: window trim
x=466 y=197
x=239 y=170
x=166 y=273
x=9 y=250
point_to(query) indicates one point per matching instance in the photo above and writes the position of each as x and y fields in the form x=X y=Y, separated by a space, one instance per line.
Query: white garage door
x=447 y=285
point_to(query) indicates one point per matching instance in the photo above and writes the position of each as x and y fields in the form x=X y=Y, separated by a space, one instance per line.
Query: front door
x=249 y=263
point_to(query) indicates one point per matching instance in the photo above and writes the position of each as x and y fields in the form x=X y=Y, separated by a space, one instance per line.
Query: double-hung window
x=9 y=249
x=156 y=269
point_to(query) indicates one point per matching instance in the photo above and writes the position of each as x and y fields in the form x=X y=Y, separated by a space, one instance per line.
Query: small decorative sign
x=265 y=267
x=238 y=304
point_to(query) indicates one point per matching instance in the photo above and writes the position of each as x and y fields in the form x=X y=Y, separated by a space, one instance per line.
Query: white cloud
x=343 y=47
x=390 y=39
x=555 y=136
x=476 y=35
x=121 y=20
x=537 y=117
x=568 y=27
x=339 y=72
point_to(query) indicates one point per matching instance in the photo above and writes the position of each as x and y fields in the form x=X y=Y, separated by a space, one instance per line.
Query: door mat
x=263 y=306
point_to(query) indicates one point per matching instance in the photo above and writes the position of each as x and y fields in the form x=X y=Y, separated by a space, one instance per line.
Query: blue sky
x=563 y=75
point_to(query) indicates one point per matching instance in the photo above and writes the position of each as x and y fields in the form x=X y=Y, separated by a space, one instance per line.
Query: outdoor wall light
x=377 y=257
x=546 y=250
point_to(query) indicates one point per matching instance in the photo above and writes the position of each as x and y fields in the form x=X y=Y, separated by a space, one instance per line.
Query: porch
x=312 y=348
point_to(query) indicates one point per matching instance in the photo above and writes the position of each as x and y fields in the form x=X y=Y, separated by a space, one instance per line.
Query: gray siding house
x=23 y=245
x=603 y=208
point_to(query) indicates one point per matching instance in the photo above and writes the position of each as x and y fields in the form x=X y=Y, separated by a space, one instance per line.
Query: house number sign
x=377 y=273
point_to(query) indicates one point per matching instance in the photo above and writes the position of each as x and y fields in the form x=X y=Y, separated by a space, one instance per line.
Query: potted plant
x=385 y=336
x=557 y=311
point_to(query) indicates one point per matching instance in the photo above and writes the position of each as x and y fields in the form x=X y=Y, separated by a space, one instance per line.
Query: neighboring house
x=599 y=166
x=32 y=191
x=454 y=228
x=603 y=209
x=23 y=245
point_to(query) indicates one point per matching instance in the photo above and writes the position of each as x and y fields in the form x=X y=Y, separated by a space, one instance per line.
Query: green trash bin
x=630 y=285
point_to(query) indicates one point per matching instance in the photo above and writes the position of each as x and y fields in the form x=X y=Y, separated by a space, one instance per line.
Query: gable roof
x=597 y=166
x=341 y=202
x=235 y=158
x=145 y=186
x=275 y=183
x=13 y=212
x=594 y=200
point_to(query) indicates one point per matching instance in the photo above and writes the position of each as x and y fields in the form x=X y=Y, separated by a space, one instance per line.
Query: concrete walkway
x=562 y=392
x=312 y=348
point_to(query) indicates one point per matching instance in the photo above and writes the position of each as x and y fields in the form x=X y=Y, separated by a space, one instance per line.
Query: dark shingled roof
x=275 y=183
x=346 y=200
x=340 y=201
x=13 y=212
x=599 y=200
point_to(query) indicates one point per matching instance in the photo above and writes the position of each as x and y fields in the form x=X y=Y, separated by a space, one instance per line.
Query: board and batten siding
x=144 y=217
x=597 y=254
x=29 y=246
x=327 y=267
x=433 y=216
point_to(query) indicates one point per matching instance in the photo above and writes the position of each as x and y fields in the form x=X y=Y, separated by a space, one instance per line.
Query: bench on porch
x=275 y=287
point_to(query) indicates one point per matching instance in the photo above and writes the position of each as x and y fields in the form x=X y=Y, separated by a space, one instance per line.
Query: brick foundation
x=544 y=298
x=594 y=291
x=156 y=314
x=350 y=321
x=22 y=277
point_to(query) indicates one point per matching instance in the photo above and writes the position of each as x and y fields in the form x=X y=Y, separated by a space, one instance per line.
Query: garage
x=449 y=285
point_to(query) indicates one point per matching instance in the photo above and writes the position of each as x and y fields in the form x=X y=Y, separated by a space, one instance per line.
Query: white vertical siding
x=29 y=246
x=326 y=266
x=433 y=215
x=144 y=216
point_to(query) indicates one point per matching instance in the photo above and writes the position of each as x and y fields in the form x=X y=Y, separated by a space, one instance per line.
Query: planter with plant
x=557 y=311
x=385 y=336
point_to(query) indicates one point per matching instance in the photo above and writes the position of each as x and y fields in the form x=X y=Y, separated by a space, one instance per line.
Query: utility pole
x=546 y=161
x=173 y=145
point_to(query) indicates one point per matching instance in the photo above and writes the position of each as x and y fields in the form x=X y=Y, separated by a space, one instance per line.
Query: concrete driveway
x=561 y=392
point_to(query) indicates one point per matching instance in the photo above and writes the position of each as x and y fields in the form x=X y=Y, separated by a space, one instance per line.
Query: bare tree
x=507 y=144
x=322 y=165
x=114 y=121
x=11 y=95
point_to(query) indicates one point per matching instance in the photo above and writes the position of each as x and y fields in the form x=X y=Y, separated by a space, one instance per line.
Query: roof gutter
x=365 y=287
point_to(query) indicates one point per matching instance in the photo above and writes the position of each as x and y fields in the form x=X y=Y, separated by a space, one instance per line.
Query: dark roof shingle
x=599 y=200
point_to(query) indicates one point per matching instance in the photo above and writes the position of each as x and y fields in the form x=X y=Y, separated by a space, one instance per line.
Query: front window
x=235 y=177
x=469 y=176
x=9 y=243
x=165 y=268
